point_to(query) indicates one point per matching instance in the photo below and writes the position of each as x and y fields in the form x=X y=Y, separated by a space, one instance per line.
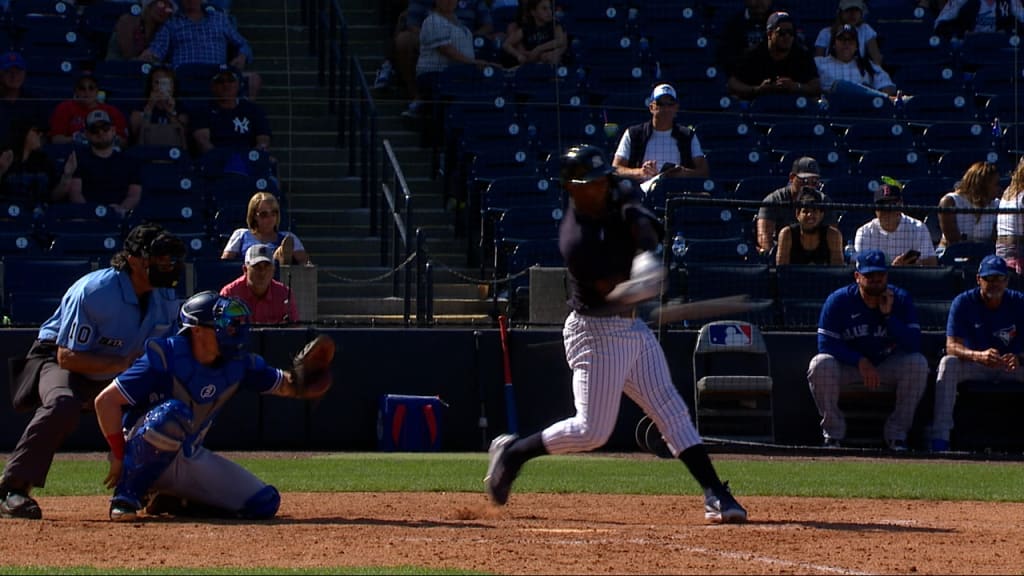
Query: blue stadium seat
x=16 y=215
x=773 y=108
x=927 y=76
x=802 y=290
x=833 y=162
x=180 y=214
x=931 y=107
x=953 y=164
x=845 y=106
x=42 y=276
x=719 y=250
x=213 y=274
x=701 y=281
x=544 y=83
x=727 y=134
x=91 y=218
x=966 y=256
x=927 y=191
x=899 y=163
x=93 y=245
x=28 y=309
x=702 y=221
x=871 y=134
x=735 y=164
x=100 y=17
x=849 y=190
x=806 y=136
x=930 y=282
x=942 y=137
x=19 y=244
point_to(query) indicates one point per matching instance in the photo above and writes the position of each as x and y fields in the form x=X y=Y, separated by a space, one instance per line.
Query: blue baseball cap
x=872 y=261
x=993 y=265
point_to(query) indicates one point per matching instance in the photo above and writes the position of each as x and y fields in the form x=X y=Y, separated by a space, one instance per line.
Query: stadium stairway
x=323 y=199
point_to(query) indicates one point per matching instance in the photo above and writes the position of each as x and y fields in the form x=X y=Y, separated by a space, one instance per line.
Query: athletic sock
x=522 y=450
x=697 y=461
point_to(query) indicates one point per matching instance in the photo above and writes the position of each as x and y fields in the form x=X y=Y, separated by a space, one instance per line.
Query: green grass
x=362 y=472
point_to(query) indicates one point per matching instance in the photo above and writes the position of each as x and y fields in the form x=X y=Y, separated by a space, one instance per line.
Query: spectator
x=97 y=332
x=868 y=333
x=16 y=101
x=534 y=36
x=742 y=32
x=195 y=36
x=444 y=40
x=844 y=70
x=959 y=18
x=1010 y=225
x=103 y=174
x=982 y=342
x=228 y=121
x=270 y=301
x=159 y=122
x=979 y=188
x=779 y=207
x=850 y=13
x=810 y=240
x=660 y=146
x=26 y=172
x=133 y=34
x=893 y=232
x=776 y=66
x=67 y=123
x=264 y=220
x=404 y=49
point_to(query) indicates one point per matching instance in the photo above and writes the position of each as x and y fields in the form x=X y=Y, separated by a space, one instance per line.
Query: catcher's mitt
x=311 y=369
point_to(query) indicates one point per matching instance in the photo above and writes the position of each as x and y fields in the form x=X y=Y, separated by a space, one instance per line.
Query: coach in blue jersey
x=608 y=239
x=982 y=342
x=868 y=333
x=97 y=332
x=172 y=394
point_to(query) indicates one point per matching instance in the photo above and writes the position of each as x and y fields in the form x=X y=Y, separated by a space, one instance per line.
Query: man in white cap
x=661 y=145
x=270 y=301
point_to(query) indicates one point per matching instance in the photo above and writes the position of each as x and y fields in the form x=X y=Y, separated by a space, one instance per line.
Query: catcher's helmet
x=584 y=163
x=228 y=316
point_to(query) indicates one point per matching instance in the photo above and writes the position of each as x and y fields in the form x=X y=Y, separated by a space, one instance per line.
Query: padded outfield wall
x=446 y=363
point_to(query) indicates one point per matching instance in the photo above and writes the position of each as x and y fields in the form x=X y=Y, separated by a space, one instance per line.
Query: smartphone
x=911 y=255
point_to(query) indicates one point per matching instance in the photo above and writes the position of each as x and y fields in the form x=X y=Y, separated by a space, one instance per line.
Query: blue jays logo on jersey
x=730 y=334
x=1006 y=335
x=208 y=391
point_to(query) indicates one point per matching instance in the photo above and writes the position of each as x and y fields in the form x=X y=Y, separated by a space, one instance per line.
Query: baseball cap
x=97 y=117
x=806 y=167
x=888 y=191
x=993 y=265
x=149 y=239
x=777 y=19
x=225 y=69
x=847 y=4
x=12 y=60
x=870 y=261
x=663 y=90
x=258 y=253
x=846 y=30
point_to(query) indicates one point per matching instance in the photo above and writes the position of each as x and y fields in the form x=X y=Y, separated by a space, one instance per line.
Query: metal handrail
x=396 y=200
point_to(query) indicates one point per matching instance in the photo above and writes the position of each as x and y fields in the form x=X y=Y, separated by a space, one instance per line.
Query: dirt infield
x=541 y=533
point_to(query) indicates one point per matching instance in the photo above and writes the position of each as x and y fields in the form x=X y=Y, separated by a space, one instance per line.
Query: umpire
x=97 y=332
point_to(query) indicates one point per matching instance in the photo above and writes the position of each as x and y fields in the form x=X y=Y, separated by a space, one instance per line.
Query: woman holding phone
x=159 y=122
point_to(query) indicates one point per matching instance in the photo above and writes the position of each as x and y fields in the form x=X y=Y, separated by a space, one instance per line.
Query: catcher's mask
x=228 y=316
x=585 y=175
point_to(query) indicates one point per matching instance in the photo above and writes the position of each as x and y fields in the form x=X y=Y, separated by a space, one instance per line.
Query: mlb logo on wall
x=730 y=334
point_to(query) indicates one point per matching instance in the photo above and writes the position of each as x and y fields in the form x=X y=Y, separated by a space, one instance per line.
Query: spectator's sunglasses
x=98 y=128
x=268 y=213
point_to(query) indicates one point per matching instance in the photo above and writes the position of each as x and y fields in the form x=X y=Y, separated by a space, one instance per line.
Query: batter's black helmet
x=583 y=164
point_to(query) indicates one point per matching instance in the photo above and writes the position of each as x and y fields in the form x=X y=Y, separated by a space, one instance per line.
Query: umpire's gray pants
x=827 y=376
x=953 y=371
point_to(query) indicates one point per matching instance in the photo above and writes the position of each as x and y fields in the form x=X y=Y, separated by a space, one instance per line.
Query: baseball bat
x=510 y=393
x=676 y=311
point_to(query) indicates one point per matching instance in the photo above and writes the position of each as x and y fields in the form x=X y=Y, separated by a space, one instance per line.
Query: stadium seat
x=42 y=276
x=929 y=282
x=732 y=376
x=833 y=162
x=899 y=163
x=695 y=220
x=68 y=218
x=954 y=163
x=734 y=164
x=941 y=137
x=727 y=134
x=701 y=281
x=721 y=250
x=867 y=135
x=846 y=106
x=966 y=256
x=772 y=108
x=802 y=290
x=849 y=190
x=20 y=244
x=931 y=107
x=213 y=274
x=99 y=246
x=28 y=309
x=16 y=215
x=805 y=136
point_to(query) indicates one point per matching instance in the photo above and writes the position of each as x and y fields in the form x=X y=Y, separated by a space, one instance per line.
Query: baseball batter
x=607 y=239
x=868 y=333
x=99 y=329
x=173 y=393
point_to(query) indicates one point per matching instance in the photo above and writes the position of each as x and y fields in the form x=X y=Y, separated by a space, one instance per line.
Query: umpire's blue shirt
x=101 y=314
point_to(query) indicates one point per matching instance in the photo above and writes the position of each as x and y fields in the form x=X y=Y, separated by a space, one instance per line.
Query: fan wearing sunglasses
x=103 y=174
x=264 y=221
x=779 y=65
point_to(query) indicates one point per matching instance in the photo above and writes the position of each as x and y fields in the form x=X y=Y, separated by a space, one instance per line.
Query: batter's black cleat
x=498 y=481
x=124 y=509
x=722 y=508
x=20 y=505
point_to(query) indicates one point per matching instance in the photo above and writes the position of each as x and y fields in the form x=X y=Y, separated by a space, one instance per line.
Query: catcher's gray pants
x=953 y=371
x=609 y=356
x=827 y=376
x=209 y=478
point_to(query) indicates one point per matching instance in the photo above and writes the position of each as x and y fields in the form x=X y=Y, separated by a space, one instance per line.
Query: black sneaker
x=498 y=481
x=722 y=508
x=20 y=505
x=124 y=509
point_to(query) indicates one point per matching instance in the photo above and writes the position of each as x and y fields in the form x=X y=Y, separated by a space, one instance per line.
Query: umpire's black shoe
x=20 y=505
x=498 y=481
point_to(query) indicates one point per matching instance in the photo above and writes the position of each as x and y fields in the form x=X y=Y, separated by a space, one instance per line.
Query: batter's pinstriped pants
x=827 y=376
x=609 y=356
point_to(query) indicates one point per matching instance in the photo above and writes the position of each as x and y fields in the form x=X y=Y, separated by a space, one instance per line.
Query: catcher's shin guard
x=262 y=505
x=151 y=448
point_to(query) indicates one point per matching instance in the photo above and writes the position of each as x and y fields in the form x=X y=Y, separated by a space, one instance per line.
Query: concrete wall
x=464 y=368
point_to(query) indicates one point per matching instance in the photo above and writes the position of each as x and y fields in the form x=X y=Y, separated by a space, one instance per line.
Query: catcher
x=156 y=414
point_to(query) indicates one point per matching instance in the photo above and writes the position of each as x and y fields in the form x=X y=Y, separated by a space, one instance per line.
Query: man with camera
x=660 y=147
